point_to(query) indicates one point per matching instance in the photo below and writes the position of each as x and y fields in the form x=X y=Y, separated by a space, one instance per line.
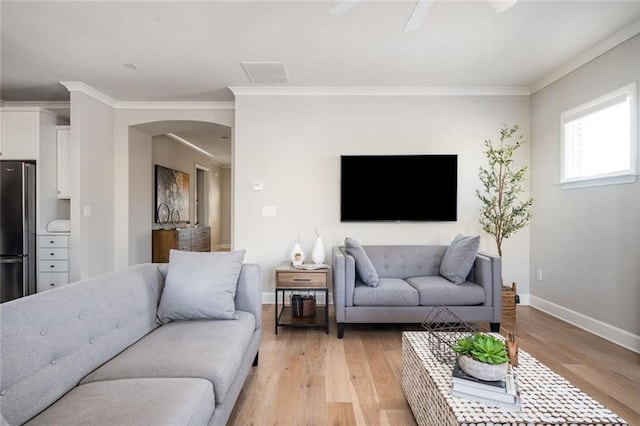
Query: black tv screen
x=398 y=188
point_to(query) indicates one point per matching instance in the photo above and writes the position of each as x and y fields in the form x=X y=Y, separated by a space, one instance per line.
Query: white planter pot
x=482 y=370
x=297 y=255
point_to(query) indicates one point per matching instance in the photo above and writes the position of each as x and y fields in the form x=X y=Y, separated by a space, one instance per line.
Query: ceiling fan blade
x=419 y=13
x=344 y=6
x=502 y=5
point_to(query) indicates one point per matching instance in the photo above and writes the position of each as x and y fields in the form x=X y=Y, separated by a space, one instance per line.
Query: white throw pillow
x=200 y=286
x=459 y=258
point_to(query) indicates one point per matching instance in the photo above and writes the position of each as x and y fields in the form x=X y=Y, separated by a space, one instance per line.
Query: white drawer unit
x=53 y=241
x=53 y=261
x=54 y=266
x=54 y=254
x=49 y=280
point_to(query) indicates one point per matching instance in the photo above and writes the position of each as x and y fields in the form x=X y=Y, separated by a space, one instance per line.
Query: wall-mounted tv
x=398 y=188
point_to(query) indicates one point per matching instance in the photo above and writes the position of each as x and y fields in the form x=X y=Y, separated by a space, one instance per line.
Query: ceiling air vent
x=266 y=72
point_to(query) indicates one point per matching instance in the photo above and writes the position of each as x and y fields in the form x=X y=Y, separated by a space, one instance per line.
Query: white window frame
x=619 y=177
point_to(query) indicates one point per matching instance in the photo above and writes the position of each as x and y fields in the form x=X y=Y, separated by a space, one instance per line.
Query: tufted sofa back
x=405 y=261
x=51 y=340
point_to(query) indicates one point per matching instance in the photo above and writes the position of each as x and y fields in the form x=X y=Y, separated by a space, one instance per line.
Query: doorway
x=202 y=196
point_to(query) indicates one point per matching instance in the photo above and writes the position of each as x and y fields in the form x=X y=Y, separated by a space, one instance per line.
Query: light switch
x=268 y=211
x=86 y=210
x=257 y=185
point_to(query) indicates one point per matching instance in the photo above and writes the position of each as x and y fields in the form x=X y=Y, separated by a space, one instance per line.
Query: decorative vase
x=297 y=254
x=317 y=253
x=482 y=370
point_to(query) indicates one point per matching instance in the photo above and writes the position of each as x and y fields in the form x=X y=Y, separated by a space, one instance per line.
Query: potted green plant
x=503 y=212
x=482 y=356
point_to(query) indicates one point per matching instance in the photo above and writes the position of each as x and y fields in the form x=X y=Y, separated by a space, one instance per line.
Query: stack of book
x=502 y=393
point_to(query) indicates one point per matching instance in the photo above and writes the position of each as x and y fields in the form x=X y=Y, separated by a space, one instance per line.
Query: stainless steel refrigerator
x=17 y=229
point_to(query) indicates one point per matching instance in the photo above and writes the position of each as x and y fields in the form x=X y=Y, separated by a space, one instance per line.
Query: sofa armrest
x=487 y=272
x=344 y=279
x=249 y=292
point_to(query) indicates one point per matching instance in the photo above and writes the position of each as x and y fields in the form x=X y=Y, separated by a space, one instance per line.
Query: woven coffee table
x=546 y=398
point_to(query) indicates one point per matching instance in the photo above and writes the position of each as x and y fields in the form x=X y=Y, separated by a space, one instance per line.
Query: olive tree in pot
x=503 y=212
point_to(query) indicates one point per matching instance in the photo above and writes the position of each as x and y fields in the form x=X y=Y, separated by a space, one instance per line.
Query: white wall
x=226 y=206
x=293 y=145
x=586 y=241
x=140 y=197
x=92 y=176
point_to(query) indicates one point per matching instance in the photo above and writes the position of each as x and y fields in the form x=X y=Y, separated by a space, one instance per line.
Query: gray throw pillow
x=459 y=257
x=364 y=267
x=200 y=286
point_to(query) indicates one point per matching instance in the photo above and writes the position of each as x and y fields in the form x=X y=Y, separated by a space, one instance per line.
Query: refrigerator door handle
x=13 y=259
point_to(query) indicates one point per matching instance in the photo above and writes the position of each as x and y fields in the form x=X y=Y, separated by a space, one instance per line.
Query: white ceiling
x=191 y=51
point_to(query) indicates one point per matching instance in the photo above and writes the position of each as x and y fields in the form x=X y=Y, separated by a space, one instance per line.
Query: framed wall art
x=172 y=195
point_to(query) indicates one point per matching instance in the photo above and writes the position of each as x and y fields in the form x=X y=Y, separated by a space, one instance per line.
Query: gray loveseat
x=91 y=353
x=410 y=286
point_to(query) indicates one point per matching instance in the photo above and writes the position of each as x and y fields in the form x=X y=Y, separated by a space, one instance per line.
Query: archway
x=187 y=146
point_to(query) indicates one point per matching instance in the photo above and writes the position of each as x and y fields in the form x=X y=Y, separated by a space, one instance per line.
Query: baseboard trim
x=599 y=328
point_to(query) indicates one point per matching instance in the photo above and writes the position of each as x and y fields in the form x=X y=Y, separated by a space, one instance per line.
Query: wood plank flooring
x=306 y=377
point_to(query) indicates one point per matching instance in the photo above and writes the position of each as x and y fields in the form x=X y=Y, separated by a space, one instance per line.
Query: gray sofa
x=92 y=353
x=410 y=286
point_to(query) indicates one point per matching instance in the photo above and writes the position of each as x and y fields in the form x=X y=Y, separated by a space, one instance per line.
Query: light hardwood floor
x=306 y=377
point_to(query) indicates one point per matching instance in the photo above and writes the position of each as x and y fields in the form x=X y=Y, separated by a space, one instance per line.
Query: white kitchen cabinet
x=53 y=261
x=63 y=161
x=19 y=135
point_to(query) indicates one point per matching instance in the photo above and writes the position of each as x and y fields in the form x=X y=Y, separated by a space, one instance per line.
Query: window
x=599 y=141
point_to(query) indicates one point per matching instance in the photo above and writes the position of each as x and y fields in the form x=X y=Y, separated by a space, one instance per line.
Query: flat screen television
x=398 y=188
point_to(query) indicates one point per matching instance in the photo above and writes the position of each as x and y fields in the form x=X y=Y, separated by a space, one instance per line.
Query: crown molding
x=379 y=91
x=599 y=49
x=51 y=105
x=174 y=105
x=115 y=104
x=76 y=86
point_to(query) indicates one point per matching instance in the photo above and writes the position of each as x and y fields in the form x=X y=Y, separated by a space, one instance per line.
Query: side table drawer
x=49 y=280
x=301 y=279
x=54 y=266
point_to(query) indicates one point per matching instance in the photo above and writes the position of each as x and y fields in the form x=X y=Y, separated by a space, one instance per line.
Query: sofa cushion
x=389 y=292
x=200 y=286
x=436 y=290
x=364 y=267
x=459 y=258
x=209 y=349
x=183 y=401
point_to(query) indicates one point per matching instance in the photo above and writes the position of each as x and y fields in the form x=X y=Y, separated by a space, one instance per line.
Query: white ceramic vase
x=317 y=253
x=482 y=370
x=297 y=255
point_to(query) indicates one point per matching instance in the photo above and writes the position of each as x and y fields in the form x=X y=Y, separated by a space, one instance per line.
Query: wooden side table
x=291 y=279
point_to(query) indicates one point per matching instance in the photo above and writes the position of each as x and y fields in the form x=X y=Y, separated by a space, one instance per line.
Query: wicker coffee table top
x=546 y=397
